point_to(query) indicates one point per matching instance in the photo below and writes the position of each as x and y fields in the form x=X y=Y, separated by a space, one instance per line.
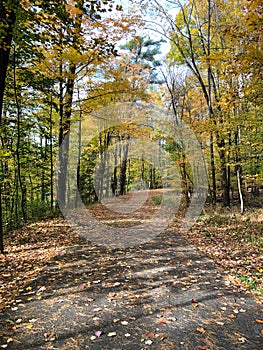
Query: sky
x=148 y=30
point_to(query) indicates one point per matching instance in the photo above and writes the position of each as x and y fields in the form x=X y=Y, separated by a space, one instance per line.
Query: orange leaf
x=150 y=335
x=201 y=330
x=259 y=321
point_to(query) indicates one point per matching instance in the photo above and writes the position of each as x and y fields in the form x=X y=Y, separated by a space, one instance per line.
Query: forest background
x=63 y=61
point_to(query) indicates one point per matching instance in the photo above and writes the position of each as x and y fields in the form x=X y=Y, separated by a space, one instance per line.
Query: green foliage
x=157 y=199
x=143 y=51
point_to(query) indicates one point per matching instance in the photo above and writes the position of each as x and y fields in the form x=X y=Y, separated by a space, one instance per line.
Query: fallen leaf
x=111 y=295
x=150 y=335
x=148 y=342
x=98 y=333
x=41 y=289
x=201 y=330
x=112 y=334
x=161 y=337
x=242 y=339
x=259 y=321
x=97 y=309
x=29 y=326
x=173 y=319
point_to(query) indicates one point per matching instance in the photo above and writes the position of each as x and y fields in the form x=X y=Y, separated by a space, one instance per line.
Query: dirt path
x=163 y=294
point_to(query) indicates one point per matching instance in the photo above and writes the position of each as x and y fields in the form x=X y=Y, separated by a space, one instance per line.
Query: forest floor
x=201 y=289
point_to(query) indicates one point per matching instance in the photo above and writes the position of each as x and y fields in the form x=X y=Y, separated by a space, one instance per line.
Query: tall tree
x=143 y=51
x=8 y=18
x=74 y=57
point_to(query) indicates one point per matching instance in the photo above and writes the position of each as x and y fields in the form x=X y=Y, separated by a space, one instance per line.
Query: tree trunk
x=78 y=165
x=64 y=130
x=114 y=180
x=22 y=184
x=151 y=185
x=213 y=170
x=1 y=223
x=210 y=109
x=184 y=178
x=8 y=17
x=143 y=174
x=224 y=179
x=51 y=155
x=42 y=171
x=240 y=190
x=123 y=169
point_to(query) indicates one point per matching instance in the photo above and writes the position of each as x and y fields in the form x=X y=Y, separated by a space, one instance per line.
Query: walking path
x=163 y=294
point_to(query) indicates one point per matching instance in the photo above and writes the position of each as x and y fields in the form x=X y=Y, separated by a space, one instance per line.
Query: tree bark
x=123 y=168
x=65 y=116
x=77 y=198
x=18 y=158
x=240 y=191
x=8 y=17
x=51 y=155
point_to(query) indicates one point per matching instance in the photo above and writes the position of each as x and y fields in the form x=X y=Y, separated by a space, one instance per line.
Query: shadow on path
x=164 y=294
